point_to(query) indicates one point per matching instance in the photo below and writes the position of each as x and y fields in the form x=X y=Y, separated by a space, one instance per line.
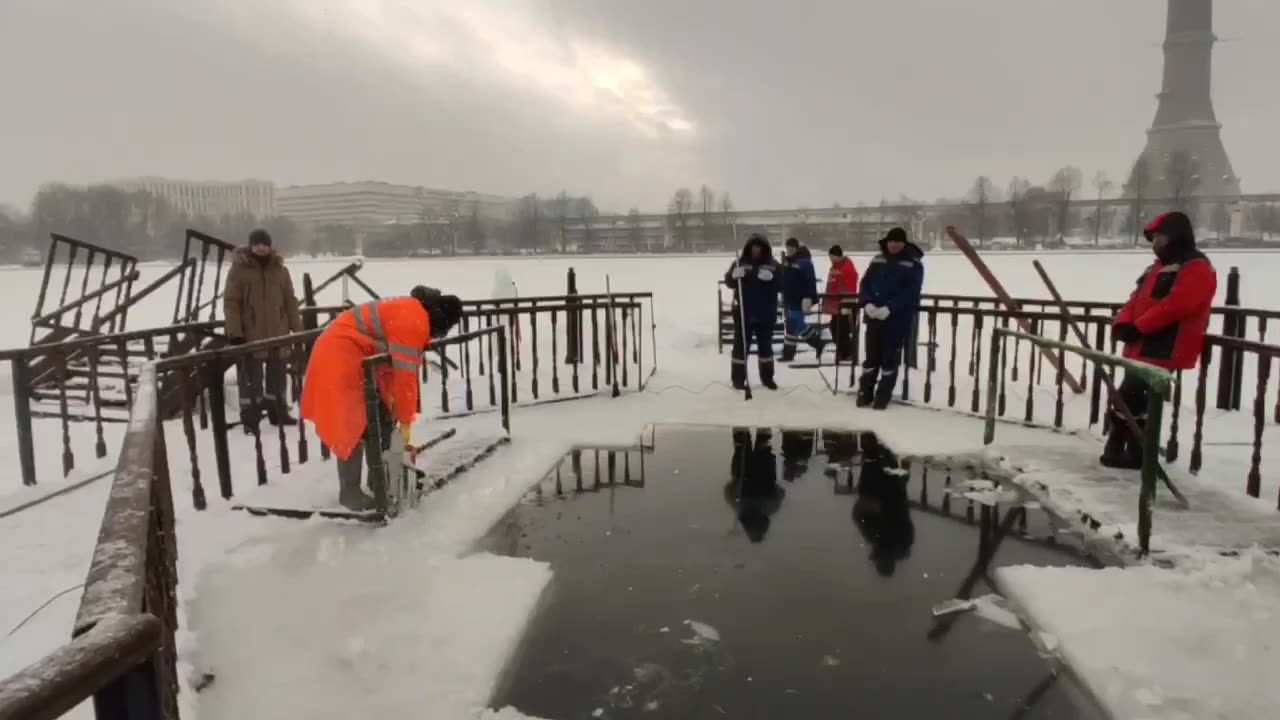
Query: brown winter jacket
x=259 y=302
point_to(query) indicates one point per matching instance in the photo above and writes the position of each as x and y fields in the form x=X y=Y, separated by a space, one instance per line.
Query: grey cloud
x=822 y=102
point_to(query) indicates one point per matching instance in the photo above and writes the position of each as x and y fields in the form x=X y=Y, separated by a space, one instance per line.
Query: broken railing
x=89 y=380
x=92 y=277
x=201 y=255
x=122 y=653
x=1158 y=382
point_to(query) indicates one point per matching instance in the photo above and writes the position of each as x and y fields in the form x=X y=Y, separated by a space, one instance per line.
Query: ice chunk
x=703 y=632
x=995 y=609
x=953 y=605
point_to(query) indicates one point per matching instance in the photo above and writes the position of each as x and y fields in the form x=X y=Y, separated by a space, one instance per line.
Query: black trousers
x=351 y=470
x=842 y=336
x=761 y=331
x=883 y=355
x=262 y=385
x=1134 y=394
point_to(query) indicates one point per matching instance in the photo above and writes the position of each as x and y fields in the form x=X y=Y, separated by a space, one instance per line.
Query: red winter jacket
x=842 y=279
x=1170 y=307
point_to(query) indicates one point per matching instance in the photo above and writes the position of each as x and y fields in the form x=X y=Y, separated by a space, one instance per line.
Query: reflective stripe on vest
x=375 y=332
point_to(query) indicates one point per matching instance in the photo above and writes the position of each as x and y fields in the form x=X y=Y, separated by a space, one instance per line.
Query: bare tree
x=1103 y=185
x=728 y=219
x=635 y=233
x=678 y=211
x=1065 y=183
x=1018 y=211
x=562 y=208
x=586 y=212
x=1137 y=188
x=529 y=221
x=707 y=204
x=980 y=196
x=909 y=212
x=1263 y=217
x=1182 y=177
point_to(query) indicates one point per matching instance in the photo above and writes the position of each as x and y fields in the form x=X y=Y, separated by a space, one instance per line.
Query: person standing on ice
x=891 y=298
x=333 y=391
x=842 y=279
x=754 y=279
x=1162 y=324
x=799 y=295
x=259 y=303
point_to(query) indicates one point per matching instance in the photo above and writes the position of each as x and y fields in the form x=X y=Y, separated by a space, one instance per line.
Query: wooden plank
x=296 y=513
x=981 y=266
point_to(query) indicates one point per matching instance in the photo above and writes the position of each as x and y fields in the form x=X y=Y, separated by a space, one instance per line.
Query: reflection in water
x=753 y=486
x=881 y=511
x=797 y=448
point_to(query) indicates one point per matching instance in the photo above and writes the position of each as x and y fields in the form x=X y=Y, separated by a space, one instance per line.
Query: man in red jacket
x=1162 y=324
x=842 y=279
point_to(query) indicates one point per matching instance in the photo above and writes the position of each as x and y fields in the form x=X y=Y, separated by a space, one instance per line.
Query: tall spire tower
x=1185 y=121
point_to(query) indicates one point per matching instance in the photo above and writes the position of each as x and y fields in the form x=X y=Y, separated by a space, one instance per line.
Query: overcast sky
x=836 y=101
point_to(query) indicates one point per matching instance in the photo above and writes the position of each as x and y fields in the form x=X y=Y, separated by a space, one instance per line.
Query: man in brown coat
x=260 y=303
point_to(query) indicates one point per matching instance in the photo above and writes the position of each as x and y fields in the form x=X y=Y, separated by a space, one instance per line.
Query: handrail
x=1264 y=349
x=150 y=288
x=53 y=685
x=86 y=299
x=1158 y=380
x=71 y=346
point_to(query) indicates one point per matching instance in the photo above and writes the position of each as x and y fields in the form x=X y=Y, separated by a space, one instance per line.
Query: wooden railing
x=122 y=652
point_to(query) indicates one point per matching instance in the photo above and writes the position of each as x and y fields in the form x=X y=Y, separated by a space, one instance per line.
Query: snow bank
x=1197 y=643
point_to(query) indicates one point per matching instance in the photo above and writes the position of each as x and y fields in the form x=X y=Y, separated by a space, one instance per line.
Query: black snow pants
x=762 y=332
x=883 y=356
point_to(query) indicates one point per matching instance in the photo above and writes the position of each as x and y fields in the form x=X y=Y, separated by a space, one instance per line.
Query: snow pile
x=1195 y=643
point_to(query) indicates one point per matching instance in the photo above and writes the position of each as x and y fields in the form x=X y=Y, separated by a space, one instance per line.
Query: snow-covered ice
x=325 y=619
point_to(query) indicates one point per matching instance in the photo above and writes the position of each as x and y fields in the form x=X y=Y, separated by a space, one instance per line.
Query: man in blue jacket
x=754 y=278
x=890 y=295
x=799 y=295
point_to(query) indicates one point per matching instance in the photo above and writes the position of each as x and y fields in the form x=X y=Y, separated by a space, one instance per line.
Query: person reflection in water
x=881 y=512
x=840 y=449
x=753 y=489
x=797 y=447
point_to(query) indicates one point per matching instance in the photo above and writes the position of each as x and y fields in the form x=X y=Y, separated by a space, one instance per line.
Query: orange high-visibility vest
x=333 y=392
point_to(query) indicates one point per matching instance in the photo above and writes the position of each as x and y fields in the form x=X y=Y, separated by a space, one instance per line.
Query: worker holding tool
x=333 y=392
x=1162 y=324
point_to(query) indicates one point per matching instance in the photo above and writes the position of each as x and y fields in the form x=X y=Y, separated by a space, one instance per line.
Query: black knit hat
x=836 y=251
x=793 y=243
x=445 y=312
x=896 y=235
x=259 y=237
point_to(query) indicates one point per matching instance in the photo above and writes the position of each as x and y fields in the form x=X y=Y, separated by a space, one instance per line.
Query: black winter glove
x=235 y=341
x=1127 y=333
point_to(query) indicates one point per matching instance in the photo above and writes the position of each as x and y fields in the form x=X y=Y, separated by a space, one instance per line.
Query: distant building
x=368 y=204
x=208 y=197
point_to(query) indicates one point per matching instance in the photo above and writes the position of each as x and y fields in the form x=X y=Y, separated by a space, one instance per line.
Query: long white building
x=208 y=197
x=369 y=203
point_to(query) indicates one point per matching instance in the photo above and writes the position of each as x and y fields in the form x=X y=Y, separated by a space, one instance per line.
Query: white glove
x=884 y=313
x=806 y=305
x=739 y=272
x=765 y=274
x=871 y=311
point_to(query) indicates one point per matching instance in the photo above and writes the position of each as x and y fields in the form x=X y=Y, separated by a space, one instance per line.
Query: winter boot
x=766 y=373
x=738 y=374
x=350 y=495
x=818 y=344
x=1122 y=451
x=884 y=390
x=867 y=386
x=278 y=415
x=788 y=350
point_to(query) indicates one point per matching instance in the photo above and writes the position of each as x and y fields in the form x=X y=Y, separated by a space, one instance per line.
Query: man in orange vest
x=333 y=392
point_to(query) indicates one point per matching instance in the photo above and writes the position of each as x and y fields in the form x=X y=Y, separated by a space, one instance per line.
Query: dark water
x=764 y=574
